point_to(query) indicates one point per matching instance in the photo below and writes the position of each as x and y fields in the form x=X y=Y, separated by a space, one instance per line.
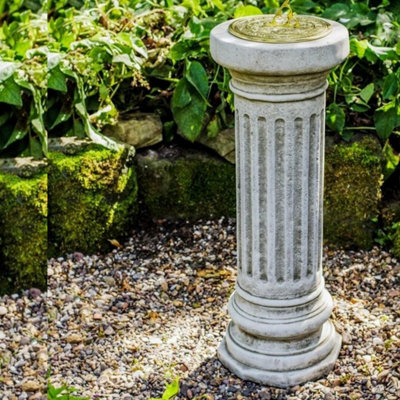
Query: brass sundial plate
x=260 y=28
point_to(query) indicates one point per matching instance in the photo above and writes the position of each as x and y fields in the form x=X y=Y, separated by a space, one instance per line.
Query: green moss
x=353 y=178
x=191 y=186
x=396 y=242
x=23 y=232
x=92 y=199
x=391 y=224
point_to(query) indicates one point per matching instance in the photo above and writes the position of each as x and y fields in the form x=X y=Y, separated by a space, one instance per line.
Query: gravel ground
x=123 y=325
x=23 y=352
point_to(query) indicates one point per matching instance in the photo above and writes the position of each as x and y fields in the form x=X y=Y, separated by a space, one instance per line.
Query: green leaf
x=193 y=5
x=271 y=3
x=78 y=128
x=358 y=47
x=367 y=92
x=181 y=97
x=189 y=115
x=171 y=390
x=197 y=76
x=57 y=80
x=335 y=117
x=180 y=50
x=392 y=160
x=336 y=11
x=103 y=91
x=35 y=147
x=17 y=134
x=61 y=117
x=386 y=119
x=390 y=86
x=245 y=11
x=10 y=93
x=213 y=127
x=218 y=4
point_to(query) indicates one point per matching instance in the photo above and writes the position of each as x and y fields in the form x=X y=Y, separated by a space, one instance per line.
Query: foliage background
x=93 y=60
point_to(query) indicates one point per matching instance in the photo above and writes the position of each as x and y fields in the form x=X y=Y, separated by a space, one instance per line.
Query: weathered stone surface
x=92 y=199
x=353 y=178
x=223 y=144
x=25 y=167
x=138 y=129
x=68 y=145
x=185 y=184
x=280 y=333
x=23 y=231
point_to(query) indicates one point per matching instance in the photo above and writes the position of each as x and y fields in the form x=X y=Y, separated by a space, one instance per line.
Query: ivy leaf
x=181 y=97
x=193 y=5
x=337 y=11
x=61 y=117
x=57 y=80
x=180 y=50
x=197 y=76
x=272 y=3
x=188 y=109
x=367 y=92
x=35 y=147
x=245 y=11
x=335 y=117
x=17 y=134
x=10 y=93
x=392 y=160
x=386 y=119
x=390 y=86
x=219 y=4
x=213 y=127
x=358 y=47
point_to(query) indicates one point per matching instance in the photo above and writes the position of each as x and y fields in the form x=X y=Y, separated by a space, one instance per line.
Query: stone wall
x=92 y=199
x=353 y=178
x=191 y=185
x=23 y=231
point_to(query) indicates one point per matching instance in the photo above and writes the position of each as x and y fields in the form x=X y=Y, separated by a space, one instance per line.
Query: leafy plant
x=170 y=392
x=22 y=79
x=62 y=393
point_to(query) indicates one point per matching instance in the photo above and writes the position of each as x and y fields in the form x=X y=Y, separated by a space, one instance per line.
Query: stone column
x=280 y=333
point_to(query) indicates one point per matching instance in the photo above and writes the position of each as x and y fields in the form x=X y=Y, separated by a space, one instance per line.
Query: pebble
x=74 y=338
x=109 y=331
x=30 y=386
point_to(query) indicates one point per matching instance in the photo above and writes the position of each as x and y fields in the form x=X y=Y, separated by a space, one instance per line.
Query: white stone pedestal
x=280 y=334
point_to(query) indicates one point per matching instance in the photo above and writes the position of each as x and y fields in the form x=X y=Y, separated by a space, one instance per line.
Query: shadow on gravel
x=222 y=385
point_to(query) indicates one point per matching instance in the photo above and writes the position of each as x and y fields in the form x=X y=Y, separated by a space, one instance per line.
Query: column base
x=292 y=367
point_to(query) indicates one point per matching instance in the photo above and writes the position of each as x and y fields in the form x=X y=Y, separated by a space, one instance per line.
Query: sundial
x=280 y=29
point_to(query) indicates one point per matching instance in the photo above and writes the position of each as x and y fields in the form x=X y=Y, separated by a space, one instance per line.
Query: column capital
x=279 y=59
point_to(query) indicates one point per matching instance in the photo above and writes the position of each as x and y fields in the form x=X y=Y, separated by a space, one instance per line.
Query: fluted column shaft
x=279 y=161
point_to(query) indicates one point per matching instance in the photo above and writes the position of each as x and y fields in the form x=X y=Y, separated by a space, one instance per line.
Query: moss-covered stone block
x=189 y=185
x=353 y=178
x=23 y=232
x=92 y=199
